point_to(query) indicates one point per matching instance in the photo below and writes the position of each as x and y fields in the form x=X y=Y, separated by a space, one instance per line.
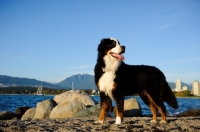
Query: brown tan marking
x=114 y=86
x=153 y=106
x=163 y=114
x=106 y=107
x=103 y=112
x=153 y=110
x=98 y=86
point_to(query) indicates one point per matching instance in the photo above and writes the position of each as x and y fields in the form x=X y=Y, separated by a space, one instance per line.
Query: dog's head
x=111 y=47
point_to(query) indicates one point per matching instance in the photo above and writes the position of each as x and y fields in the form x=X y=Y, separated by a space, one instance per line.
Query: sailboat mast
x=72 y=86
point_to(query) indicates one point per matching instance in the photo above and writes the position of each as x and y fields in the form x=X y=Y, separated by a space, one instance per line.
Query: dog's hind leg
x=149 y=102
x=157 y=103
x=153 y=111
x=161 y=107
x=106 y=106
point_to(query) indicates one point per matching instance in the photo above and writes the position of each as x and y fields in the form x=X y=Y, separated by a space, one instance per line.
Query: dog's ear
x=102 y=45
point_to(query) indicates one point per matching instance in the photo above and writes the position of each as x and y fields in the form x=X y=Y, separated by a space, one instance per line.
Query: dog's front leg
x=120 y=110
x=106 y=106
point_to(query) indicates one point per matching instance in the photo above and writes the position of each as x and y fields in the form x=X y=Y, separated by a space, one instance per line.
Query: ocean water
x=11 y=102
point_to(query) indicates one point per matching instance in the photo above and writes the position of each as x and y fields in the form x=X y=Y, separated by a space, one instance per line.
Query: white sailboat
x=95 y=92
x=39 y=91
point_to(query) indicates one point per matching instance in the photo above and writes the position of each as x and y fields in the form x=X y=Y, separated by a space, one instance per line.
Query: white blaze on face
x=115 y=53
x=117 y=48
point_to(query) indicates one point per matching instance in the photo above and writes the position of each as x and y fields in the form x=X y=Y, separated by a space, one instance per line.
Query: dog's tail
x=170 y=97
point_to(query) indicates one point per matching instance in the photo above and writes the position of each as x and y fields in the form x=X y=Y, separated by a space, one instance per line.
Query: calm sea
x=11 y=102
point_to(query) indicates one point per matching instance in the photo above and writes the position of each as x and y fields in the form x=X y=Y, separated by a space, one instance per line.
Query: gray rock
x=6 y=115
x=190 y=113
x=72 y=95
x=131 y=108
x=29 y=114
x=21 y=110
x=89 y=112
x=44 y=108
x=67 y=109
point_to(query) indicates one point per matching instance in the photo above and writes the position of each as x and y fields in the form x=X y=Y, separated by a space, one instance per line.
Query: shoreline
x=88 y=124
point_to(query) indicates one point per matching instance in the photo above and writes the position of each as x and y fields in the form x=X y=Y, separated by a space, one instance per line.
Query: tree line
x=29 y=90
x=33 y=90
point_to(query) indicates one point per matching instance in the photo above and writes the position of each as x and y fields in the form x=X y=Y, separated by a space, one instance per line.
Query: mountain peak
x=80 y=81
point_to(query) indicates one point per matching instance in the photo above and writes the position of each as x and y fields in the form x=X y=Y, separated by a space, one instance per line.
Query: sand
x=130 y=124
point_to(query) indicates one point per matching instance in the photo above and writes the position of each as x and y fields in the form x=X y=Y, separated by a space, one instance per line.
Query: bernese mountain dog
x=115 y=79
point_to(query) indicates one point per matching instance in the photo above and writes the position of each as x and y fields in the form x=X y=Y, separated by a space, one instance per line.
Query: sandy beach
x=130 y=124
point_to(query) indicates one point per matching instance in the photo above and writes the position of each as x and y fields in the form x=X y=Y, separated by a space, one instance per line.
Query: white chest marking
x=106 y=82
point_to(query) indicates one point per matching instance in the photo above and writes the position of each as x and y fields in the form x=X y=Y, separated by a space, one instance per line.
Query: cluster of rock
x=70 y=104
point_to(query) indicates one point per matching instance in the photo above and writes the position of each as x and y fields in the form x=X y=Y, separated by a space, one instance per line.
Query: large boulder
x=44 y=108
x=20 y=111
x=29 y=114
x=75 y=94
x=67 y=109
x=89 y=112
x=131 y=108
x=190 y=113
x=6 y=115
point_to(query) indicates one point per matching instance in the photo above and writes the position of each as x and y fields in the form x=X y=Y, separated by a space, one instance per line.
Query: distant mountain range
x=79 y=81
x=16 y=81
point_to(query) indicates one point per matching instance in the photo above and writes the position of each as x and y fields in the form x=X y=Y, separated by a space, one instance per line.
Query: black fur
x=135 y=79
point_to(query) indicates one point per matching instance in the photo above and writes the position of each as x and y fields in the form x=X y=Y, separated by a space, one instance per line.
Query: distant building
x=184 y=88
x=178 y=85
x=196 y=88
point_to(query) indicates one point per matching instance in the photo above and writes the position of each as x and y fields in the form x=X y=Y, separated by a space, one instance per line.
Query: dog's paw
x=153 y=121
x=98 y=122
x=118 y=123
x=163 y=122
x=118 y=120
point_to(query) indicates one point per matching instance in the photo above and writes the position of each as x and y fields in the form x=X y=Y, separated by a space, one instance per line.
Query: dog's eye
x=113 y=44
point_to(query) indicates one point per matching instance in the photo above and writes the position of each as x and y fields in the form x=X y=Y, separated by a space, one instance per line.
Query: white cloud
x=166 y=26
x=80 y=67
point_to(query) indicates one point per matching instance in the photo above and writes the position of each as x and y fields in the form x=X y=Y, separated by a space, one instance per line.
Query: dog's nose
x=123 y=49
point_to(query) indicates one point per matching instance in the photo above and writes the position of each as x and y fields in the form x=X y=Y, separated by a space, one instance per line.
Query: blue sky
x=51 y=40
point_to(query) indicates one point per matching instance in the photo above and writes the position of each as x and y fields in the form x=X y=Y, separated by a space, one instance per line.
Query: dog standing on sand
x=115 y=79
